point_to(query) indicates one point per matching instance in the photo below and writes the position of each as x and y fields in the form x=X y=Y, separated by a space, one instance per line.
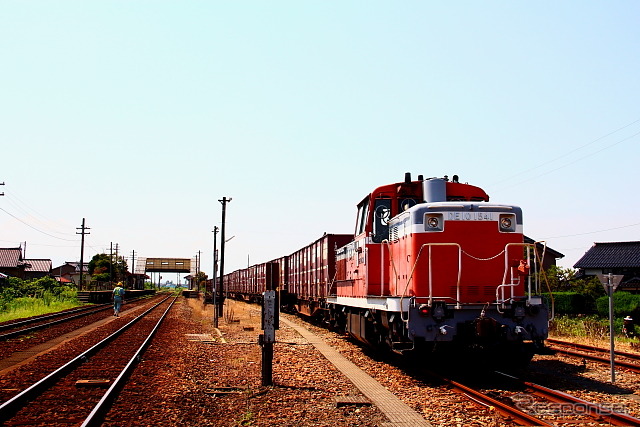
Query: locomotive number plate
x=471 y=216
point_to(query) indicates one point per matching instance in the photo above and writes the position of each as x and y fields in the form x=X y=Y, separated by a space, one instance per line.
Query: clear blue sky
x=139 y=116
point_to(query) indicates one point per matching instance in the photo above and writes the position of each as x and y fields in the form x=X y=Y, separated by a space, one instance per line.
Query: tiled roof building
x=70 y=271
x=37 y=268
x=615 y=258
x=12 y=264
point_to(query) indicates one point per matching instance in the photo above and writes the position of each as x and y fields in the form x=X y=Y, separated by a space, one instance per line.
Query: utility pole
x=82 y=232
x=2 y=194
x=133 y=268
x=198 y=271
x=224 y=202
x=117 y=280
x=111 y=266
x=214 y=285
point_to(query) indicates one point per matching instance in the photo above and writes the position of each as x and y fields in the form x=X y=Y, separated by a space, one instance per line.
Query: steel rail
x=592 y=409
x=633 y=356
x=516 y=415
x=52 y=323
x=86 y=312
x=96 y=417
x=11 y=406
x=29 y=321
x=605 y=360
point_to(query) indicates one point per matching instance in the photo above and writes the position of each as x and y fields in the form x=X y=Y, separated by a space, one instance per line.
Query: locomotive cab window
x=363 y=213
x=381 y=217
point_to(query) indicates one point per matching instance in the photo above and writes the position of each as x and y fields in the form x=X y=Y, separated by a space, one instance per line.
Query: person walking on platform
x=118 y=297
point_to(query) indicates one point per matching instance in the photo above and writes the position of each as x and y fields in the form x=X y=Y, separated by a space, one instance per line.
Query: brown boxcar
x=312 y=271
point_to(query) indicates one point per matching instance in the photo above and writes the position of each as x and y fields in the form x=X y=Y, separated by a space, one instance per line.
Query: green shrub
x=571 y=303
x=624 y=304
x=20 y=298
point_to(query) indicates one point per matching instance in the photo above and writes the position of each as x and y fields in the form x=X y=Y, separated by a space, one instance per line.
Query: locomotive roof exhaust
x=407 y=177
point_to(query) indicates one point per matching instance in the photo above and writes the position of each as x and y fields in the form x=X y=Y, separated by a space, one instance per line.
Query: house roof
x=10 y=257
x=74 y=264
x=39 y=265
x=611 y=255
x=548 y=250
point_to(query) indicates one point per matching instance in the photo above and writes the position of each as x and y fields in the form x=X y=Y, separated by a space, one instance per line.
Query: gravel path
x=195 y=375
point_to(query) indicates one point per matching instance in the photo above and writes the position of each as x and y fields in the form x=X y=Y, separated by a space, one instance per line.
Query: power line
x=593 y=232
x=27 y=210
x=36 y=229
x=571 y=163
x=575 y=149
x=567 y=154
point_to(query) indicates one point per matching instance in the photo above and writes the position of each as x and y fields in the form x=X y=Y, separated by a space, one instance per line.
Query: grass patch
x=29 y=307
x=593 y=327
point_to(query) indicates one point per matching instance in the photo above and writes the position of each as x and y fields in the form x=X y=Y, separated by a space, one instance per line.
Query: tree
x=102 y=269
x=560 y=279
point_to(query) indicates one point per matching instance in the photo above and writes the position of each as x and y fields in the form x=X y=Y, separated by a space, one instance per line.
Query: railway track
x=23 y=336
x=560 y=405
x=14 y=329
x=631 y=361
x=85 y=376
x=31 y=325
x=537 y=405
x=440 y=404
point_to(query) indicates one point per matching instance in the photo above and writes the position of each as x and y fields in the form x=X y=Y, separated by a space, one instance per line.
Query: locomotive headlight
x=507 y=223
x=433 y=222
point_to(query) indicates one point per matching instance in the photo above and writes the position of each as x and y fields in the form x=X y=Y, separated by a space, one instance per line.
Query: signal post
x=270 y=321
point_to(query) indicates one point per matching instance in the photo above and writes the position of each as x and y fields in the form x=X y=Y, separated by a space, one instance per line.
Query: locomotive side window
x=363 y=213
x=381 y=217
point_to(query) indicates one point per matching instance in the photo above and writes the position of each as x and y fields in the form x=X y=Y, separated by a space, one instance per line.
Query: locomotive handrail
x=500 y=301
x=330 y=284
x=507 y=268
x=538 y=261
x=544 y=276
x=415 y=264
x=393 y=264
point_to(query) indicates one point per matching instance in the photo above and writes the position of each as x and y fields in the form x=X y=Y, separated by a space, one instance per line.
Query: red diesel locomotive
x=431 y=264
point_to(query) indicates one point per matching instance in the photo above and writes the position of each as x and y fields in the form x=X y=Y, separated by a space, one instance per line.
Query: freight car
x=432 y=264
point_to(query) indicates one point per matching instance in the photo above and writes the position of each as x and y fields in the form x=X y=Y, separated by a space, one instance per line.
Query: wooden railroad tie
x=93 y=383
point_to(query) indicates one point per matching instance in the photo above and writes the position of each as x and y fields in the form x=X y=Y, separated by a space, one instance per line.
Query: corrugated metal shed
x=611 y=255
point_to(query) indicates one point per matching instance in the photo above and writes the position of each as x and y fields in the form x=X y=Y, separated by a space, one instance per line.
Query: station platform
x=103 y=297
x=399 y=413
